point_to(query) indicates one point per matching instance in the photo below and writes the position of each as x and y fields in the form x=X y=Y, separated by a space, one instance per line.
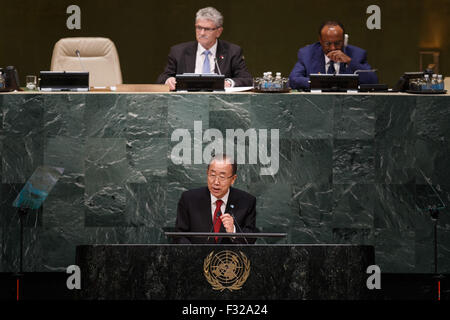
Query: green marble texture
x=351 y=170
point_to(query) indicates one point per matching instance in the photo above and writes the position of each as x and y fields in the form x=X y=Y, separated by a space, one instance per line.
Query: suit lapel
x=231 y=201
x=191 y=54
x=205 y=209
x=319 y=60
x=343 y=67
x=221 y=54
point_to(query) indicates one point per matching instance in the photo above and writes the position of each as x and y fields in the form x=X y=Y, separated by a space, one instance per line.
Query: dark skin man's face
x=331 y=38
x=332 y=42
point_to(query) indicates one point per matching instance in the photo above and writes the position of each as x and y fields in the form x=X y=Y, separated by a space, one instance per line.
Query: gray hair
x=210 y=13
x=225 y=158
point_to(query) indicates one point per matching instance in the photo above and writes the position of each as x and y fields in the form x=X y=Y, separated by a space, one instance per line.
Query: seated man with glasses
x=203 y=55
x=214 y=208
x=330 y=56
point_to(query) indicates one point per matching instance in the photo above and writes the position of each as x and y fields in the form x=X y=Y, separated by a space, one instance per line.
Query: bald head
x=331 y=38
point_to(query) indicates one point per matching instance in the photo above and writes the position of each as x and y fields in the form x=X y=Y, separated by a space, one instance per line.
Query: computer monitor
x=200 y=82
x=334 y=82
x=64 y=81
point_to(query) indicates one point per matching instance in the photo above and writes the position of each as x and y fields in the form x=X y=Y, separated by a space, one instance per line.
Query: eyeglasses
x=198 y=28
x=213 y=177
x=336 y=43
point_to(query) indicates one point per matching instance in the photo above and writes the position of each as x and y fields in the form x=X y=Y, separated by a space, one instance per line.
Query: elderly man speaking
x=203 y=55
x=216 y=206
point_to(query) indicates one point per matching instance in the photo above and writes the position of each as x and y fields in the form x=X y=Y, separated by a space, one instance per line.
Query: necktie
x=331 y=69
x=206 y=66
x=217 y=222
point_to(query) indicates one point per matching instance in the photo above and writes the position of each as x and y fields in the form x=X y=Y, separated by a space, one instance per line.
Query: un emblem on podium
x=226 y=270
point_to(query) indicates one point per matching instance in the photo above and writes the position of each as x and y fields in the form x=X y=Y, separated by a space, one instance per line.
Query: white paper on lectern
x=238 y=89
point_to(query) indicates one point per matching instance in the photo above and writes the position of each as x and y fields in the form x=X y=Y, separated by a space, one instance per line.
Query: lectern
x=224 y=272
x=245 y=238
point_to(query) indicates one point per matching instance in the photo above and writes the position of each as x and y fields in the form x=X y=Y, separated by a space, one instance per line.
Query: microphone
x=363 y=70
x=217 y=66
x=433 y=209
x=77 y=52
x=235 y=221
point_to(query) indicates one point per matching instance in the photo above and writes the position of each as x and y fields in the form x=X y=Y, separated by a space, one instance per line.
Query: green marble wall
x=350 y=170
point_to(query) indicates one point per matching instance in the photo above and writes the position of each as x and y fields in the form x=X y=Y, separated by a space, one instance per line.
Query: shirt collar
x=213 y=49
x=224 y=198
x=327 y=60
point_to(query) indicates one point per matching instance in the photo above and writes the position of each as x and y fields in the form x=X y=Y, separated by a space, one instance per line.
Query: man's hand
x=339 y=56
x=228 y=222
x=227 y=84
x=171 y=82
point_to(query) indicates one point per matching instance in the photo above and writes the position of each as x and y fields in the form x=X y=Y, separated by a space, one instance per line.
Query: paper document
x=238 y=89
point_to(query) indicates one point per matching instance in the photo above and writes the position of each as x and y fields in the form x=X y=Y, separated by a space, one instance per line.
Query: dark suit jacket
x=311 y=60
x=229 y=57
x=194 y=215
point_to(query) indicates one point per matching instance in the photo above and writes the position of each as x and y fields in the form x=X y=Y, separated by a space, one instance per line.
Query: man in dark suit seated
x=330 y=56
x=203 y=55
x=199 y=209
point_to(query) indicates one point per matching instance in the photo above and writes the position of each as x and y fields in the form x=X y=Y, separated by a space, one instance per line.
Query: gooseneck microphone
x=77 y=52
x=217 y=66
x=364 y=71
x=235 y=221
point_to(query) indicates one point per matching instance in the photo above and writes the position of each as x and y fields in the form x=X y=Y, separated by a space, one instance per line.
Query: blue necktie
x=331 y=69
x=206 y=66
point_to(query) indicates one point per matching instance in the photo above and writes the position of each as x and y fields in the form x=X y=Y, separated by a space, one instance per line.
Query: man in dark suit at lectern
x=207 y=54
x=214 y=208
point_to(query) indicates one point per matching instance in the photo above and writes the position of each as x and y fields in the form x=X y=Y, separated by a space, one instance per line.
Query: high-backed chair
x=97 y=55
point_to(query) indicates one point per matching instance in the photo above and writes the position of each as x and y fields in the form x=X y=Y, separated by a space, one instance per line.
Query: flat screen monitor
x=334 y=82
x=64 y=81
x=200 y=82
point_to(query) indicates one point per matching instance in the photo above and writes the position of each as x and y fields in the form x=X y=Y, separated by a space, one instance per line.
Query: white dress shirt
x=200 y=59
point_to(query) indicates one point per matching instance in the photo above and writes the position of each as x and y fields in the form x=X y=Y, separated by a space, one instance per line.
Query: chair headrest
x=88 y=46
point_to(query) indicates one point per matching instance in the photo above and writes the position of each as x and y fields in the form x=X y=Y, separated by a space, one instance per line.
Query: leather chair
x=98 y=56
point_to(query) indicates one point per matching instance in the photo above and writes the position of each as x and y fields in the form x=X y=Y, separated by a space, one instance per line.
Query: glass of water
x=31 y=82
